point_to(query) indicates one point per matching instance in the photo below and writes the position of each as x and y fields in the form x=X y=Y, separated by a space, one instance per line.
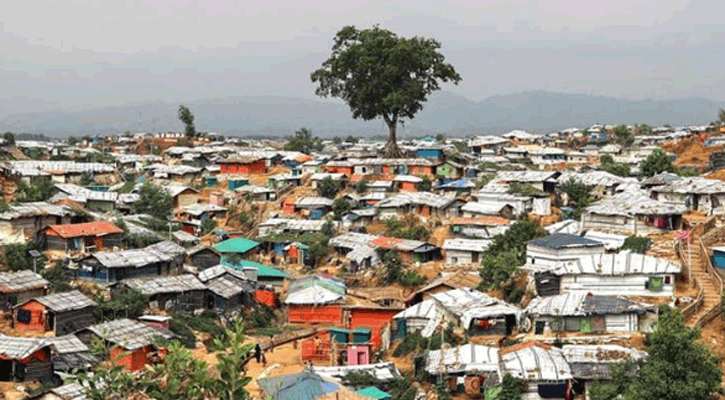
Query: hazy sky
x=68 y=54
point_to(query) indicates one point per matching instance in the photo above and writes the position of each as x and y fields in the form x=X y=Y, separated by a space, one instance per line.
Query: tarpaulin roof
x=96 y=228
x=536 y=363
x=468 y=358
x=236 y=245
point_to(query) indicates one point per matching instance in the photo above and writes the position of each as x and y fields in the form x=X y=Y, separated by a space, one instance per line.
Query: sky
x=68 y=55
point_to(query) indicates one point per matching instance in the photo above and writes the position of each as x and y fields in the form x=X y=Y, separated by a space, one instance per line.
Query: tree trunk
x=391 y=149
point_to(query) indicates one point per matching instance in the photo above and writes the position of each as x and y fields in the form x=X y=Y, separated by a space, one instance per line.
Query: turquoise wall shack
x=718 y=259
x=237 y=183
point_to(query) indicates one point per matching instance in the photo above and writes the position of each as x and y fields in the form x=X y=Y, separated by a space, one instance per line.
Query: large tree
x=657 y=162
x=379 y=74
x=677 y=366
x=187 y=118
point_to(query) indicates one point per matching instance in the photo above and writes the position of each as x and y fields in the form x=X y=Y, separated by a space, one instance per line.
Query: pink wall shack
x=358 y=355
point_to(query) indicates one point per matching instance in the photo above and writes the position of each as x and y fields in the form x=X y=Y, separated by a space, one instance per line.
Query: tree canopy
x=624 y=135
x=676 y=367
x=304 y=142
x=657 y=162
x=721 y=116
x=154 y=201
x=380 y=74
x=186 y=117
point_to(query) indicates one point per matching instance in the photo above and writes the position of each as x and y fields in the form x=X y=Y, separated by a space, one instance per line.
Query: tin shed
x=61 y=313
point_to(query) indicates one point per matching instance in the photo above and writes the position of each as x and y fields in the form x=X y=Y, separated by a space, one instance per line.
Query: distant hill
x=444 y=112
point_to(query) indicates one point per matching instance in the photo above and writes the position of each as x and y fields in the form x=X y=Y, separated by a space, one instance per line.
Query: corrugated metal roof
x=184 y=237
x=477 y=245
x=70 y=391
x=68 y=344
x=591 y=178
x=469 y=359
x=631 y=203
x=159 y=252
x=385 y=242
x=129 y=334
x=175 y=190
x=18 y=281
x=96 y=228
x=200 y=208
x=524 y=176
x=362 y=252
x=35 y=209
x=564 y=240
x=314 y=202
x=535 y=363
x=165 y=284
x=65 y=301
x=351 y=240
x=228 y=286
x=692 y=185
x=417 y=198
x=219 y=270
x=19 y=347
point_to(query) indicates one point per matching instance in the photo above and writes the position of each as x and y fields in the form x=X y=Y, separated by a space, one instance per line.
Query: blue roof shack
x=561 y=247
x=301 y=386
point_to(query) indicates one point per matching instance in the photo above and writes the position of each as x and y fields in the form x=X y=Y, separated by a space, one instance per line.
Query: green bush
x=412 y=342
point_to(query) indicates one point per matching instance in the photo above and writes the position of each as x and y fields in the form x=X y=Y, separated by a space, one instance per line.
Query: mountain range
x=445 y=112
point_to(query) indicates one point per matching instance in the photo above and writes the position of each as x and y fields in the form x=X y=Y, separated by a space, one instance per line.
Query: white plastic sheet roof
x=623 y=263
x=426 y=309
x=468 y=358
x=633 y=203
x=486 y=208
x=385 y=371
x=611 y=241
x=537 y=364
x=61 y=166
x=599 y=353
x=477 y=245
x=314 y=295
x=570 y=226
x=569 y=304
x=469 y=304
